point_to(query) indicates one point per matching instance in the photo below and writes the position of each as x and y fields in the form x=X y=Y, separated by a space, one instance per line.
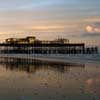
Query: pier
x=51 y=51
x=68 y=48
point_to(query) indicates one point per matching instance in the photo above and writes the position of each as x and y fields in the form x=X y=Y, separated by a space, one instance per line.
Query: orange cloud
x=91 y=29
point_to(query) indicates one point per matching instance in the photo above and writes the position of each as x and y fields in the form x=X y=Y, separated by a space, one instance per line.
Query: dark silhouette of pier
x=31 y=45
x=40 y=48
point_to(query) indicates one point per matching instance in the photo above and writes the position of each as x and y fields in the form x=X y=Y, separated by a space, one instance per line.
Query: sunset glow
x=74 y=19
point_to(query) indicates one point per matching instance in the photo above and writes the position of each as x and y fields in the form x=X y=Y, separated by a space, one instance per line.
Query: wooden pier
x=40 y=48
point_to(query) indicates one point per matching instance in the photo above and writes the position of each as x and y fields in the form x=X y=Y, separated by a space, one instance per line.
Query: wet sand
x=22 y=80
x=57 y=58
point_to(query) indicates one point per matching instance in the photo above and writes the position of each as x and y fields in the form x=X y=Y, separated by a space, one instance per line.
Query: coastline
x=56 y=58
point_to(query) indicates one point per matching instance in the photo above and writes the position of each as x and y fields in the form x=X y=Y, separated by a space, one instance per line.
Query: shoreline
x=56 y=58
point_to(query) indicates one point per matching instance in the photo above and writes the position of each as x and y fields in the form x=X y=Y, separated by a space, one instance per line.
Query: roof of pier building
x=10 y=40
x=26 y=40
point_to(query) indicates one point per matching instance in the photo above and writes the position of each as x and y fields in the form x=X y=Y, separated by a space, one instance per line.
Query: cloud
x=89 y=29
x=93 y=29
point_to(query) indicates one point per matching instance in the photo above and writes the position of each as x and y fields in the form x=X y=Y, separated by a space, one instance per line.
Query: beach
x=42 y=80
x=60 y=58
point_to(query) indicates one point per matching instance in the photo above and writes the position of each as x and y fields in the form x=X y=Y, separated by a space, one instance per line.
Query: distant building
x=26 y=40
x=11 y=40
x=30 y=39
x=22 y=41
x=60 y=41
x=57 y=41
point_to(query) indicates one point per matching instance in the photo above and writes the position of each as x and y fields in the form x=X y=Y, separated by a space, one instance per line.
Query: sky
x=77 y=20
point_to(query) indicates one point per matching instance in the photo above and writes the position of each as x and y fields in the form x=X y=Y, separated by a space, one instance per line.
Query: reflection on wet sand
x=38 y=80
x=33 y=66
x=92 y=85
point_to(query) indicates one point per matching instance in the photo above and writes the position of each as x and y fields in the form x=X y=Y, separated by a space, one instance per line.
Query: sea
x=22 y=79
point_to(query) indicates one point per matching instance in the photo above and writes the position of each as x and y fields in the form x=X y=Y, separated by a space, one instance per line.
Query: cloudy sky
x=77 y=20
